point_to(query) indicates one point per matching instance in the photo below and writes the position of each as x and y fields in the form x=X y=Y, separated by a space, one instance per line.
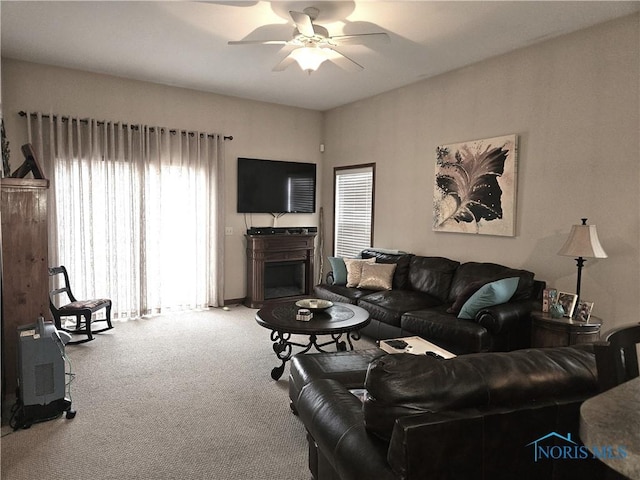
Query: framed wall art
x=475 y=187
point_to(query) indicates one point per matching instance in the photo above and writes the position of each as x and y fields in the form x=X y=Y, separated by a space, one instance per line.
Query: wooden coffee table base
x=338 y=321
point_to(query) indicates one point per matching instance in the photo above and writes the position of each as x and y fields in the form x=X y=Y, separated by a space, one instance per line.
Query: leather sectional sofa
x=477 y=416
x=424 y=290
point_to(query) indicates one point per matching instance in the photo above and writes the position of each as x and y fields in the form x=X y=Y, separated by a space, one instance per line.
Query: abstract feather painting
x=475 y=187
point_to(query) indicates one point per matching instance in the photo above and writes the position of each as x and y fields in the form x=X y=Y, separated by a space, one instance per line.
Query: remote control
x=433 y=354
x=397 y=344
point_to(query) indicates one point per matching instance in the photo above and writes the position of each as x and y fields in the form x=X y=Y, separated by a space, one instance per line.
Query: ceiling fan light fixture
x=309 y=58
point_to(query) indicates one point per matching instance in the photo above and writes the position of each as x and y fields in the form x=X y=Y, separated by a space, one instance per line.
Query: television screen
x=270 y=186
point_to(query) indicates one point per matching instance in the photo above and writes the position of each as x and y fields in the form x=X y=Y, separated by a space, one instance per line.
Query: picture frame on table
x=549 y=297
x=568 y=302
x=583 y=311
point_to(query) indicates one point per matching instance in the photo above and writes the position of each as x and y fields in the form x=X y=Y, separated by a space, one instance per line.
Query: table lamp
x=582 y=243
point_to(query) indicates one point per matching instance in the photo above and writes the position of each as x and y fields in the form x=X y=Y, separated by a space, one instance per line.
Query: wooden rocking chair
x=83 y=310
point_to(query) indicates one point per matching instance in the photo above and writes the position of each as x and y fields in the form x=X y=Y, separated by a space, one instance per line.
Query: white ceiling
x=185 y=43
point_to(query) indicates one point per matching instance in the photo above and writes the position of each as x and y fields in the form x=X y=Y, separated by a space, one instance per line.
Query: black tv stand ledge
x=281 y=230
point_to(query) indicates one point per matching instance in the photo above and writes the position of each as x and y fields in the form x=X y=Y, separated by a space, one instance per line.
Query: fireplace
x=284 y=279
x=279 y=267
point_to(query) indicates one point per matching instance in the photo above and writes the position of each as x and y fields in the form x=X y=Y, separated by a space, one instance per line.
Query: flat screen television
x=271 y=186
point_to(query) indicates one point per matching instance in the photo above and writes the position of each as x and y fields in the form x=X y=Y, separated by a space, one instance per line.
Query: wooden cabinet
x=278 y=259
x=547 y=331
x=25 y=276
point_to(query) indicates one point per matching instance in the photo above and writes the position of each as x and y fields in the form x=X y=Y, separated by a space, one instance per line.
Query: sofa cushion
x=401 y=260
x=453 y=334
x=354 y=270
x=377 y=276
x=404 y=384
x=339 y=270
x=470 y=272
x=339 y=293
x=432 y=275
x=389 y=305
x=493 y=293
x=465 y=295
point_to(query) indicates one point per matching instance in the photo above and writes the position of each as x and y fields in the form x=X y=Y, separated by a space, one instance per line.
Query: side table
x=547 y=331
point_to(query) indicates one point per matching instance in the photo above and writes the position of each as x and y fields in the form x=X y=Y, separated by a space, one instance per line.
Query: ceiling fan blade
x=361 y=39
x=288 y=60
x=303 y=23
x=258 y=42
x=343 y=61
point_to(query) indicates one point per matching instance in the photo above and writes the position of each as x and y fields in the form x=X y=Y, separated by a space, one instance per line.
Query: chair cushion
x=92 y=304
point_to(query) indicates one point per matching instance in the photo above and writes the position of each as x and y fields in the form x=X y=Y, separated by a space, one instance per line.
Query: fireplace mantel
x=264 y=251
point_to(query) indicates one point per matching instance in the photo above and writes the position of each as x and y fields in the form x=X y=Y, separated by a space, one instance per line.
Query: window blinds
x=353 y=210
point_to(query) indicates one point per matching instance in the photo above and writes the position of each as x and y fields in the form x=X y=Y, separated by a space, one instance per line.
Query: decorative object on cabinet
x=556 y=310
x=30 y=164
x=475 y=187
x=549 y=297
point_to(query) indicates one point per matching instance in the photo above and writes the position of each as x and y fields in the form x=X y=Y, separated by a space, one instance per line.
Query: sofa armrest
x=334 y=419
x=495 y=444
x=437 y=445
x=504 y=317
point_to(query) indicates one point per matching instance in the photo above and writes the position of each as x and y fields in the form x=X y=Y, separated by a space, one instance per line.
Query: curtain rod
x=22 y=113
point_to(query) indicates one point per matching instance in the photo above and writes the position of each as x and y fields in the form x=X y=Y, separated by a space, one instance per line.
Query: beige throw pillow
x=354 y=269
x=377 y=276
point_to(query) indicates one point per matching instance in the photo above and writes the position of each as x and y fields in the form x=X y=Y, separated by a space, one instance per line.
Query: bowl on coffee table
x=314 y=304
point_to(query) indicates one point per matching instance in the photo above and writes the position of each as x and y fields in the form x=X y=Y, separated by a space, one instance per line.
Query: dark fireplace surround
x=279 y=267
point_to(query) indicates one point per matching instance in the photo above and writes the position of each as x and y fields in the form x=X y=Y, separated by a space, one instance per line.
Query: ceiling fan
x=313 y=45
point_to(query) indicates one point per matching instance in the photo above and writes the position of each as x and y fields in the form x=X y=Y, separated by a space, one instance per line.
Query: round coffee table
x=280 y=318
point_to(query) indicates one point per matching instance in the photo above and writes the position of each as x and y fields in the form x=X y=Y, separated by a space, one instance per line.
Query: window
x=353 y=209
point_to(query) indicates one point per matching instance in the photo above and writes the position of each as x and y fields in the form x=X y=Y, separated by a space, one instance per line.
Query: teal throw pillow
x=493 y=293
x=339 y=270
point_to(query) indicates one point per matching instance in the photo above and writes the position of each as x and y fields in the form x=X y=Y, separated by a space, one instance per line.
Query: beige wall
x=574 y=103
x=259 y=129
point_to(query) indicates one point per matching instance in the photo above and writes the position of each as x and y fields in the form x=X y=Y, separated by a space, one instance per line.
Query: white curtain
x=135 y=212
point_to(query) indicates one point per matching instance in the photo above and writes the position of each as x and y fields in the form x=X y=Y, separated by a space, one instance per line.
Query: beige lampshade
x=583 y=242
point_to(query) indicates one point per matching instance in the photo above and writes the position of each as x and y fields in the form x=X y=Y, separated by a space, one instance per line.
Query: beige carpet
x=187 y=396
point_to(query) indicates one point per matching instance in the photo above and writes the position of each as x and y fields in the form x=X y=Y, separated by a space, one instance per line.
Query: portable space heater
x=41 y=374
